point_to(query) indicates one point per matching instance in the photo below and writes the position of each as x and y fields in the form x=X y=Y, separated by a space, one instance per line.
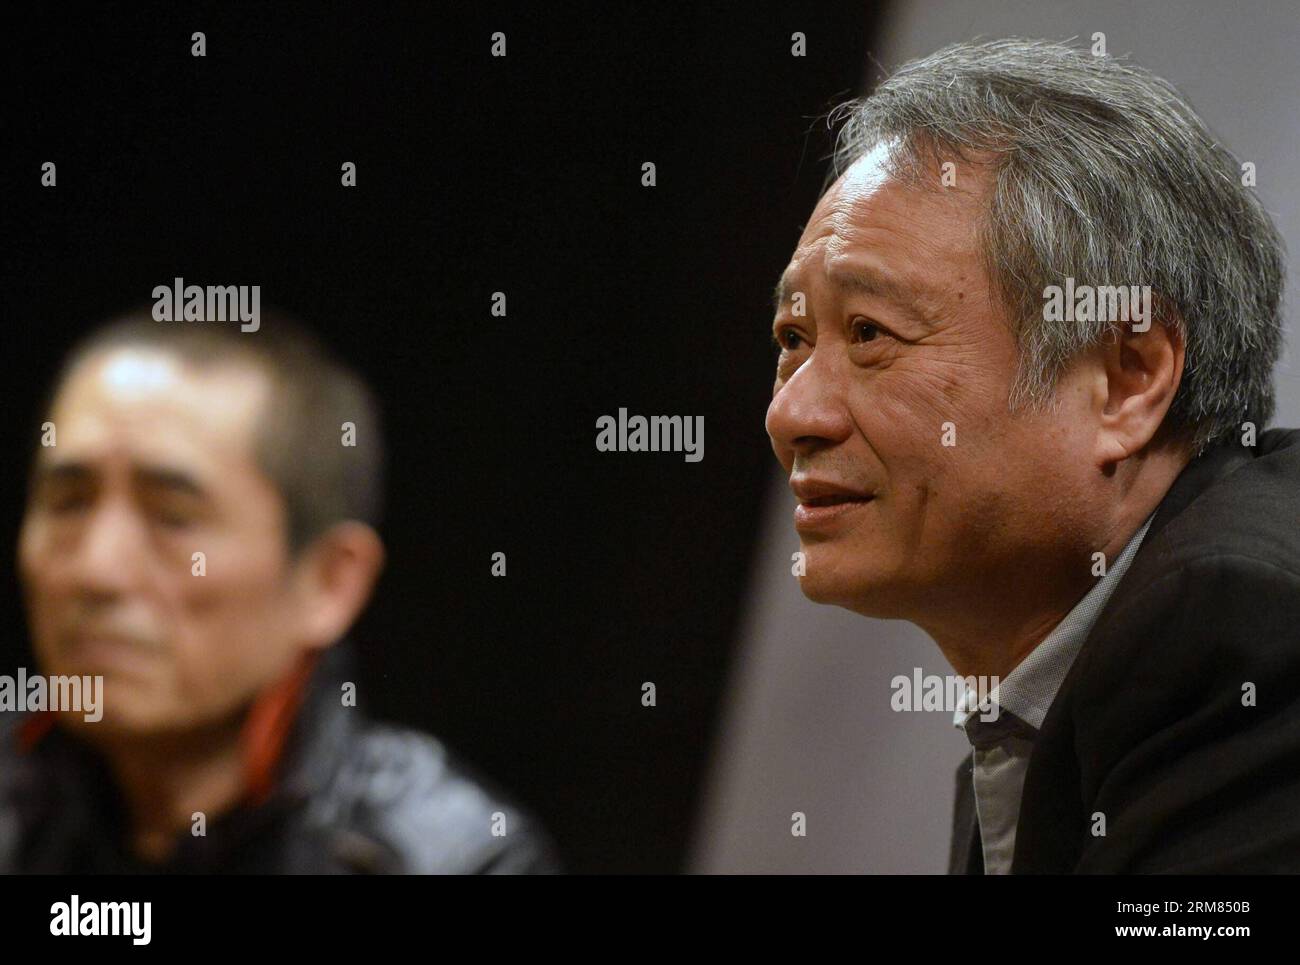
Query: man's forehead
x=864 y=178
x=153 y=398
x=870 y=229
x=874 y=187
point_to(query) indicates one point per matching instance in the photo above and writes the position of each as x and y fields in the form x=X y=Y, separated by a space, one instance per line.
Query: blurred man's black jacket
x=1152 y=729
x=350 y=796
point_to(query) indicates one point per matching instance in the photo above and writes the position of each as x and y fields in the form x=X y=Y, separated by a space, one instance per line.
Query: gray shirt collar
x=1028 y=691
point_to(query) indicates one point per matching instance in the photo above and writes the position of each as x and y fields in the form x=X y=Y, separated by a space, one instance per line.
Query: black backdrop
x=475 y=175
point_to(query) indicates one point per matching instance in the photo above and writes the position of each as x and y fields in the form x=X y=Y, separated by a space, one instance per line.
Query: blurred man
x=1026 y=349
x=200 y=534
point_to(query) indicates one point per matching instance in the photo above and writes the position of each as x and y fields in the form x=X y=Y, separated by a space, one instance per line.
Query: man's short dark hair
x=299 y=443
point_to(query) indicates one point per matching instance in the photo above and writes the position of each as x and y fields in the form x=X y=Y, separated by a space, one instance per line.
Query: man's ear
x=1137 y=375
x=333 y=579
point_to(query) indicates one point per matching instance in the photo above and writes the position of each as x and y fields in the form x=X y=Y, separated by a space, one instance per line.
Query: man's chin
x=860 y=593
x=829 y=590
x=115 y=726
x=130 y=708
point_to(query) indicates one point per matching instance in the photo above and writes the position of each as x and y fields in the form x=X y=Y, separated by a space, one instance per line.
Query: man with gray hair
x=1026 y=344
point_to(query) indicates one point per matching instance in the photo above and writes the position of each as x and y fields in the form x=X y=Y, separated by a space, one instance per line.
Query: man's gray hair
x=1101 y=172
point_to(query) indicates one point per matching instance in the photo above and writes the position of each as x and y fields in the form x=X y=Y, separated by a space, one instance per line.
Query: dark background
x=475 y=175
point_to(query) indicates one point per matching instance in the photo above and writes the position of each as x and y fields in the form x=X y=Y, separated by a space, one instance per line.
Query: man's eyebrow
x=782 y=293
x=866 y=281
x=166 y=477
x=151 y=476
x=61 y=472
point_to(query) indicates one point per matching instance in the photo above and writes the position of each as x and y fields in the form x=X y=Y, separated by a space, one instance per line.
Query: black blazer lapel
x=1052 y=824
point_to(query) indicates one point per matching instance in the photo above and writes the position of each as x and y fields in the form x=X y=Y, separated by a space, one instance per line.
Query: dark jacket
x=1153 y=731
x=349 y=796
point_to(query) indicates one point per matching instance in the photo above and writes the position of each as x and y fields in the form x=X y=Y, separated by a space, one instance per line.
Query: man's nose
x=808 y=412
x=107 y=557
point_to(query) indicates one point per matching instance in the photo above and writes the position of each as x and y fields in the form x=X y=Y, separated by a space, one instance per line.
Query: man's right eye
x=788 y=339
x=65 y=502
